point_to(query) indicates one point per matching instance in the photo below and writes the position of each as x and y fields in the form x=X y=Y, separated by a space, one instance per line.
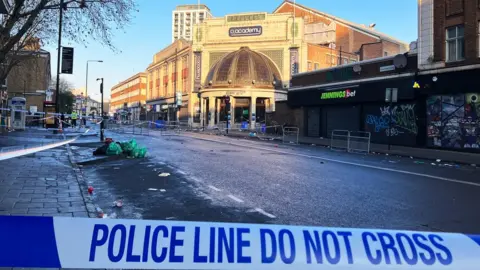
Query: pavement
x=218 y=178
x=44 y=183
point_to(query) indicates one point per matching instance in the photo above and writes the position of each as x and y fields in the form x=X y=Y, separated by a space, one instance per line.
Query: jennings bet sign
x=338 y=94
x=245 y=31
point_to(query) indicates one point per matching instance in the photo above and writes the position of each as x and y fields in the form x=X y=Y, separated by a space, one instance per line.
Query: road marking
x=195 y=179
x=261 y=211
x=344 y=162
x=214 y=188
x=181 y=172
x=235 y=198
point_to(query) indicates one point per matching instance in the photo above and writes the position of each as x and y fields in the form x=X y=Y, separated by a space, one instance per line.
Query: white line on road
x=195 y=179
x=181 y=172
x=214 y=188
x=235 y=198
x=344 y=162
x=261 y=211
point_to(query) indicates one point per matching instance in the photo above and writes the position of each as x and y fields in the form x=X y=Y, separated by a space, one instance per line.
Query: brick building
x=166 y=75
x=127 y=98
x=30 y=78
x=449 y=64
x=342 y=40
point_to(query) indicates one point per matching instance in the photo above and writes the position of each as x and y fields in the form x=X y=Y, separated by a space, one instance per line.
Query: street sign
x=179 y=99
x=49 y=95
x=67 y=60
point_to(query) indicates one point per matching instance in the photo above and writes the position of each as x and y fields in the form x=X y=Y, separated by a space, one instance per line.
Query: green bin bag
x=114 y=149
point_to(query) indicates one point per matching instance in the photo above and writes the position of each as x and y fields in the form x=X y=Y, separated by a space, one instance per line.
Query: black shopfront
x=362 y=107
x=452 y=109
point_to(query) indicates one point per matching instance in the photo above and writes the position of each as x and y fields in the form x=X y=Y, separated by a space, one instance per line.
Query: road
x=216 y=178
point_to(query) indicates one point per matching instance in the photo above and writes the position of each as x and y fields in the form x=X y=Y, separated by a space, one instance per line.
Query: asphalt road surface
x=216 y=178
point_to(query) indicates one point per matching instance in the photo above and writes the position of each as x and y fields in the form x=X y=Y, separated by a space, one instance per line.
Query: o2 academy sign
x=245 y=31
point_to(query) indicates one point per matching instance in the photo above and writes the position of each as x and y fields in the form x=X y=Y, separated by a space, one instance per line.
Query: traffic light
x=227 y=103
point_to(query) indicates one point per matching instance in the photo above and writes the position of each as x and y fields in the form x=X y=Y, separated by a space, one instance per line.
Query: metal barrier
x=290 y=134
x=351 y=141
x=339 y=140
x=359 y=141
x=269 y=132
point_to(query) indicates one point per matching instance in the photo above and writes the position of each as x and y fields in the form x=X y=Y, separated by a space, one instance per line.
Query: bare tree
x=31 y=22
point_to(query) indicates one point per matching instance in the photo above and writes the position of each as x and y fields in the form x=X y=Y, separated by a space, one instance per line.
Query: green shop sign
x=338 y=94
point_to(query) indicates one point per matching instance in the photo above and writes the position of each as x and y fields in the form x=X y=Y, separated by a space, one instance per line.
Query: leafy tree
x=31 y=22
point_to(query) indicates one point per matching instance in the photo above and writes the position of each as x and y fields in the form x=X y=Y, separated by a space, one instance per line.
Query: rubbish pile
x=129 y=149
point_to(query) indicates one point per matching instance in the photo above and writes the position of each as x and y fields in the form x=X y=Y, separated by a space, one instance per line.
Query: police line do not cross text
x=192 y=245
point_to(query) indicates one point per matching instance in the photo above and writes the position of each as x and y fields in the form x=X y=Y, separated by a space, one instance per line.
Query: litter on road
x=164 y=174
x=118 y=203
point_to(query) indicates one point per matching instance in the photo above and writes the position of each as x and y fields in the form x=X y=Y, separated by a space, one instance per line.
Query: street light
x=102 y=124
x=86 y=82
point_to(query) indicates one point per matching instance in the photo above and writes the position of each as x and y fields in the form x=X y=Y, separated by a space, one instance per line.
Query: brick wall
x=286 y=115
x=448 y=13
x=359 y=39
x=319 y=54
x=371 y=50
x=33 y=73
x=391 y=48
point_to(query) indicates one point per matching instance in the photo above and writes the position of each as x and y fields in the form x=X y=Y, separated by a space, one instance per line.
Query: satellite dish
x=400 y=61
x=357 y=68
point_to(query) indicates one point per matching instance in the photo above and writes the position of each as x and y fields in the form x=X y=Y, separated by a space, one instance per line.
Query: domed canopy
x=244 y=69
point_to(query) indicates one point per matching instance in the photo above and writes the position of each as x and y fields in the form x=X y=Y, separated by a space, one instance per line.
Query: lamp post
x=102 y=124
x=86 y=81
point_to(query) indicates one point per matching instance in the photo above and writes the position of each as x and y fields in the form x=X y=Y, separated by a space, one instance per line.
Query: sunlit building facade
x=127 y=98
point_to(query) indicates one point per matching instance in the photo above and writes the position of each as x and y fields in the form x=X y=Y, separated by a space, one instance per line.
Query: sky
x=151 y=30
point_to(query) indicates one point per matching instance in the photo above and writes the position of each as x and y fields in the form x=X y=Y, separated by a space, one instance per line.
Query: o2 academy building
x=246 y=60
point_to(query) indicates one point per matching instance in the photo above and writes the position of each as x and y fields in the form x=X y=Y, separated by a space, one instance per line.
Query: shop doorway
x=313 y=122
x=260 y=110
x=242 y=110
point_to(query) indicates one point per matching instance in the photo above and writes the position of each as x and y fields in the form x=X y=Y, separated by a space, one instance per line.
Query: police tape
x=50 y=242
x=32 y=150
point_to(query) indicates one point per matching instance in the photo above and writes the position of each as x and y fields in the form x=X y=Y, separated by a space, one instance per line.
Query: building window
x=455 y=50
x=317 y=66
x=385 y=53
x=309 y=66
x=478 y=33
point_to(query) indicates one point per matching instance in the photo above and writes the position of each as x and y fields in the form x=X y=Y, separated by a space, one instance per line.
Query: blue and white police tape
x=46 y=242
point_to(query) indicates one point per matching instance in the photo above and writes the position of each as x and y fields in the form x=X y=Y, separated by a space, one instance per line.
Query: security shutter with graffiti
x=399 y=121
x=453 y=121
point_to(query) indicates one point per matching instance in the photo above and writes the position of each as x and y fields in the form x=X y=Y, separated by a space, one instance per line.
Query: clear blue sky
x=150 y=31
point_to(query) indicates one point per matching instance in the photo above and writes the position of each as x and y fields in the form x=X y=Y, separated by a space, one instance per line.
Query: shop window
x=453 y=121
x=455 y=44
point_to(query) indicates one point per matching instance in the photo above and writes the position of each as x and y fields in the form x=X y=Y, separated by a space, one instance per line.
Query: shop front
x=452 y=102
x=362 y=107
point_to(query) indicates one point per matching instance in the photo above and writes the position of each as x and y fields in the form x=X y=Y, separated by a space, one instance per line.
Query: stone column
x=211 y=110
x=217 y=109
x=253 y=113
x=232 y=110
